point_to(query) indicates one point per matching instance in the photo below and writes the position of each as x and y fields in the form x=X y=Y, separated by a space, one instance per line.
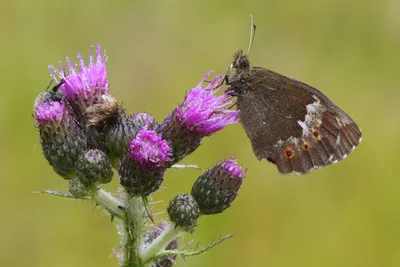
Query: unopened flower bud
x=184 y=211
x=217 y=188
x=142 y=168
x=201 y=114
x=93 y=166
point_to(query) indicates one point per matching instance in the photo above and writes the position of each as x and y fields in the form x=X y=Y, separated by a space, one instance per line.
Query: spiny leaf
x=59 y=194
x=196 y=251
x=182 y=166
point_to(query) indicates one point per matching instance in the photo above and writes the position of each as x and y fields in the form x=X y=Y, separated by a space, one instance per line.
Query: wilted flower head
x=149 y=150
x=217 y=188
x=84 y=85
x=201 y=114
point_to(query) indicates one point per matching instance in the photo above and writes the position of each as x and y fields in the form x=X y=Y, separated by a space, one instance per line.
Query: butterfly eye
x=243 y=62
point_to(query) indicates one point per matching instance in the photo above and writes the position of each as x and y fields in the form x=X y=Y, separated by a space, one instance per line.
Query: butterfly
x=289 y=123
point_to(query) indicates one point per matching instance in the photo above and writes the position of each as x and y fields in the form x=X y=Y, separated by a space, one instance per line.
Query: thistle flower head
x=49 y=113
x=201 y=114
x=204 y=113
x=142 y=169
x=149 y=150
x=217 y=188
x=84 y=85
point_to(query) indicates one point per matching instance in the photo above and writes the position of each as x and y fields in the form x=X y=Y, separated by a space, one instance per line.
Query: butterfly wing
x=292 y=124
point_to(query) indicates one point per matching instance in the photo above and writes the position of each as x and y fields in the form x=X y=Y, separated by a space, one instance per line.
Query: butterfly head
x=240 y=61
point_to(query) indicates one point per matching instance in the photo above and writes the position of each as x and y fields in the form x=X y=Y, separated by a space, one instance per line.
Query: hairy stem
x=136 y=220
x=159 y=244
x=111 y=204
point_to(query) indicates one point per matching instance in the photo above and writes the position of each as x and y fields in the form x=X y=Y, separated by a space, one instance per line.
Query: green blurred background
x=345 y=215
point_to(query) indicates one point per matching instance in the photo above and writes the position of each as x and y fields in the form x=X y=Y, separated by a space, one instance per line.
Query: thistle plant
x=87 y=137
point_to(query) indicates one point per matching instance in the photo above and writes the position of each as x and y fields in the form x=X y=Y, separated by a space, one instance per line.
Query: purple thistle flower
x=201 y=114
x=233 y=169
x=204 y=113
x=142 y=169
x=49 y=113
x=84 y=85
x=217 y=188
x=149 y=150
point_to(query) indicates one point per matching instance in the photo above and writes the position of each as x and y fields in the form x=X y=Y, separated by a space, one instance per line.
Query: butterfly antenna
x=252 y=33
x=51 y=82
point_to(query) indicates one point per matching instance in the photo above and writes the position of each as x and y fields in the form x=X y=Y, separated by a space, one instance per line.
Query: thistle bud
x=142 y=168
x=201 y=114
x=184 y=211
x=120 y=131
x=93 y=166
x=217 y=188
x=78 y=188
x=61 y=137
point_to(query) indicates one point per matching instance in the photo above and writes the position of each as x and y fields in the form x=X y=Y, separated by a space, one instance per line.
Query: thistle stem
x=136 y=220
x=159 y=244
x=110 y=203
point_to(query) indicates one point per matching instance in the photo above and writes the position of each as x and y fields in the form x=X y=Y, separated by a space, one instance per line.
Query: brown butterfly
x=289 y=123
